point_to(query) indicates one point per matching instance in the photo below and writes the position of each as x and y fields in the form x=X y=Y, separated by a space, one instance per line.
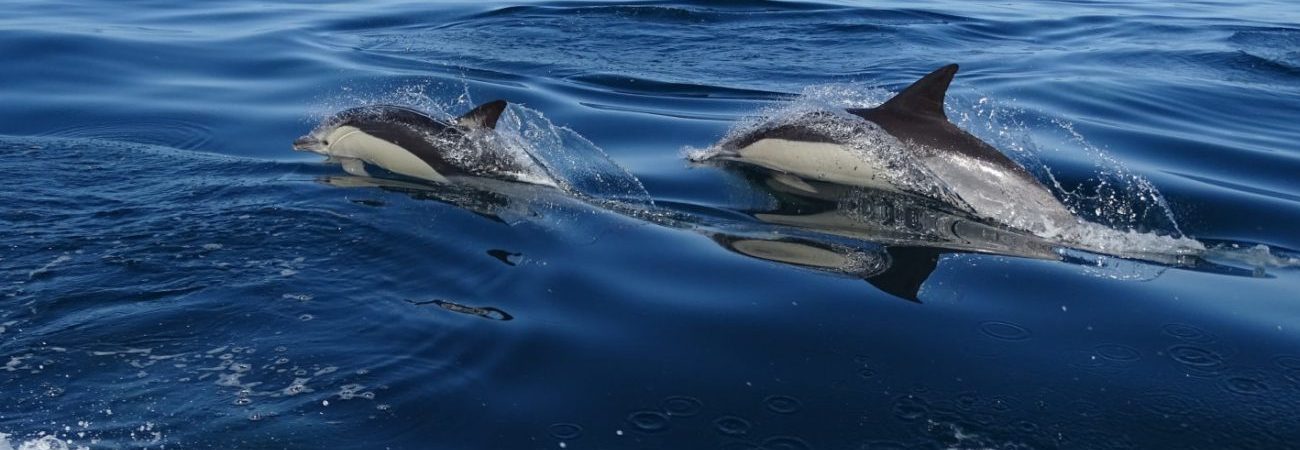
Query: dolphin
x=408 y=142
x=972 y=174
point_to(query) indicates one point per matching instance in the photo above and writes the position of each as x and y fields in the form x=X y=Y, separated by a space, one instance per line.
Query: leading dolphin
x=973 y=175
x=408 y=142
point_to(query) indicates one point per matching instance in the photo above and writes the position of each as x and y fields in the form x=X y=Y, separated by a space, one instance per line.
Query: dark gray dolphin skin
x=408 y=142
x=982 y=179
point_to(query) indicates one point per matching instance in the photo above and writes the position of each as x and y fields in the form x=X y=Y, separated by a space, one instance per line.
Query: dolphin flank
x=408 y=142
x=975 y=176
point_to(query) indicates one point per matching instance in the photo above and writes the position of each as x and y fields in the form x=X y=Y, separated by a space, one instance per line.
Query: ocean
x=173 y=275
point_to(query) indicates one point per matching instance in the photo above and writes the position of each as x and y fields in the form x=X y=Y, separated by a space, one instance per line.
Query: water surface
x=174 y=276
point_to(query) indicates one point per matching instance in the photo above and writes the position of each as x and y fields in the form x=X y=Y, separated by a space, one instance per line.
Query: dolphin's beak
x=305 y=144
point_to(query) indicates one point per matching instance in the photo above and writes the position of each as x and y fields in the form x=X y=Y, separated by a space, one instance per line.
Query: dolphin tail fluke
x=483 y=116
x=924 y=97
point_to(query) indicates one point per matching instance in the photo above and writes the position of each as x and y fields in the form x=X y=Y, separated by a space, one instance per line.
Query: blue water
x=173 y=275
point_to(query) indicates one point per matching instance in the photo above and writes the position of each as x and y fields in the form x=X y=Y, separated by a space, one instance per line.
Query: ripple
x=1245 y=385
x=1194 y=356
x=1168 y=403
x=910 y=408
x=1188 y=333
x=731 y=425
x=565 y=431
x=1287 y=361
x=782 y=404
x=648 y=421
x=785 y=443
x=1006 y=331
x=1292 y=375
x=1118 y=352
x=174 y=133
x=682 y=406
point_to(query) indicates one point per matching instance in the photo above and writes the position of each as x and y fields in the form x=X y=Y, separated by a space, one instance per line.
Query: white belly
x=821 y=161
x=356 y=144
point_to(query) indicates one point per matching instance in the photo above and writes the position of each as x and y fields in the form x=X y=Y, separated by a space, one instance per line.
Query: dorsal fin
x=483 y=116
x=925 y=96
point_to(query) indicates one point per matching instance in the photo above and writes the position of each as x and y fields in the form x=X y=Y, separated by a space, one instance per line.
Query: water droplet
x=649 y=421
x=566 y=431
x=731 y=425
x=682 y=406
x=1006 y=331
x=781 y=404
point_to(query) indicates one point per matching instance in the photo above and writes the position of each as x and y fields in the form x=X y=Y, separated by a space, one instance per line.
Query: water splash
x=1122 y=213
x=552 y=154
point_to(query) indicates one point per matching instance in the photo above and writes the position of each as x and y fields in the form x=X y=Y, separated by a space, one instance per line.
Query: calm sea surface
x=173 y=275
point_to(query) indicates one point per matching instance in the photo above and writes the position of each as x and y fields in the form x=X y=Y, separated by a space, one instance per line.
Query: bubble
x=648 y=421
x=782 y=404
x=1118 y=352
x=565 y=431
x=682 y=406
x=1188 y=333
x=1006 y=331
x=731 y=425
x=910 y=408
x=785 y=443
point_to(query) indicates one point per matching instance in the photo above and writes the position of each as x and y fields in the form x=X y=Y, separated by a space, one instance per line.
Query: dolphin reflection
x=892 y=240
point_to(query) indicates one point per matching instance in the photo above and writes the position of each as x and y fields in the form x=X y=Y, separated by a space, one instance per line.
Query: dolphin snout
x=305 y=143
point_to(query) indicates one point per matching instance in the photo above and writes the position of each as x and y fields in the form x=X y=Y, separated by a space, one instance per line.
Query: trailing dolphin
x=966 y=172
x=408 y=142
